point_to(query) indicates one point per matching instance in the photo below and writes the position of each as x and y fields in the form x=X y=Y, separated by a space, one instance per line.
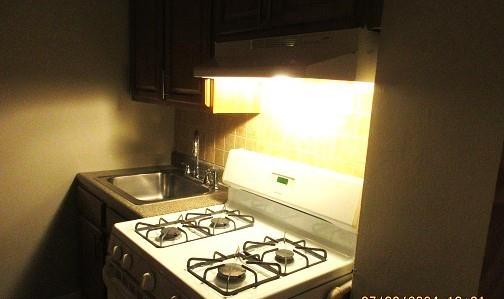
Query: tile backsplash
x=325 y=124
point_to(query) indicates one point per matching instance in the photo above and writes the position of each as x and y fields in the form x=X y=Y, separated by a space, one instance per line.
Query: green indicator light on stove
x=282 y=180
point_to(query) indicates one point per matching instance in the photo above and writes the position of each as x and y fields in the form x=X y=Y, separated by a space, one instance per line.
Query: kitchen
x=432 y=159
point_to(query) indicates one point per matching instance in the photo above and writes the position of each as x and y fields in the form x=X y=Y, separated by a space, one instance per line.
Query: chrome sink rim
x=108 y=182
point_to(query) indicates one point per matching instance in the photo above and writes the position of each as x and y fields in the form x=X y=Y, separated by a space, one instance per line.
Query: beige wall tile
x=241 y=130
x=219 y=157
x=250 y=144
x=240 y=142
x=341 y=149
x=229 y=142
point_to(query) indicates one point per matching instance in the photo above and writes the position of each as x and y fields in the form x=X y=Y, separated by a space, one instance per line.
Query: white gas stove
x=286 y=231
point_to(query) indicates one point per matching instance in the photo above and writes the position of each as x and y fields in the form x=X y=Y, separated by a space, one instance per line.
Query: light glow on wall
x=311 y=108
x=324 y=123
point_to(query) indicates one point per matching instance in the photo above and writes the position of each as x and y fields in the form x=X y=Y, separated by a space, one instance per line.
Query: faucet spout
x=195 y=152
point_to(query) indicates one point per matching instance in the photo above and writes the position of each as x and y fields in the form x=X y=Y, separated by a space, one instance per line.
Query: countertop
x=129 y=210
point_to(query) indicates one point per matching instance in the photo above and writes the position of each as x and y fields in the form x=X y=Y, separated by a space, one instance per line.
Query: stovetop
x=254 y=248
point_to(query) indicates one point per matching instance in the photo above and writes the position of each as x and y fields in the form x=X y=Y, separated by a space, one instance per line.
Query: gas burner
x=284 y=256
x=167 y=233
x=291 y=256
x=219 y=222
x=170 y=233
x=231 y=272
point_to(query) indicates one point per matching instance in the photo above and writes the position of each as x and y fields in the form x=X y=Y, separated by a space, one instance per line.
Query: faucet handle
x=215 y=180
x=206 y=177
x=187 y=168
x=210 y=179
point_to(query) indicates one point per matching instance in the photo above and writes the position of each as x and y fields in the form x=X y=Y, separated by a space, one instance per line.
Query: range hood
x=339 y=55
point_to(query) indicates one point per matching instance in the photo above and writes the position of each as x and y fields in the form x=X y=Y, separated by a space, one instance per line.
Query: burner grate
x=192 y=227
x=163 y=229
x=221 y=221
x=285 y=252
x=231 y=274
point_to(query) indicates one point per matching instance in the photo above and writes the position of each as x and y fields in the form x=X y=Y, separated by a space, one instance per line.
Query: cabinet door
x=112 y=217
x=235 y=16
x=327 y=14
x=187 y=44
x=90 y=207
x=374 y=9
x=146 y=31
x=92 y=259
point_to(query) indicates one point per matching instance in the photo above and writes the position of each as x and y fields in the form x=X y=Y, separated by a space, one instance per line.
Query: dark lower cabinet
x=95 y=223
x=92 y=259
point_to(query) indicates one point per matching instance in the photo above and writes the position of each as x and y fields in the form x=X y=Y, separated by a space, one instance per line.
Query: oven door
x=325 y=291
x=120 y=285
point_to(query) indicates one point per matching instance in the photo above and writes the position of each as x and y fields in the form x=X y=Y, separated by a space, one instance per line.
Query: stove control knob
x=116 y=252
x=126 y=261
x=148 y=282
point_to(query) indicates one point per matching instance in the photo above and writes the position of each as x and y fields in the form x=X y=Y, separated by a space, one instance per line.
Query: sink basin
x=156 y=186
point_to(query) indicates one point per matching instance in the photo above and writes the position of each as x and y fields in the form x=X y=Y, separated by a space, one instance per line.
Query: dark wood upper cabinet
x=235 y=16
x=336 y=14
x=169 y=38
x=373 y=14
x=187 y=44
x=240 y=19
x=147 y=57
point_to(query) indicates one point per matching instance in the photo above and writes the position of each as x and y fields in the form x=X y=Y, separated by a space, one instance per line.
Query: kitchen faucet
x=210 y=178
x=195 y=152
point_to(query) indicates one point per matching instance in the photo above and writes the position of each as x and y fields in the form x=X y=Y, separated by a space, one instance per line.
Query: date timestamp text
x=422 y=297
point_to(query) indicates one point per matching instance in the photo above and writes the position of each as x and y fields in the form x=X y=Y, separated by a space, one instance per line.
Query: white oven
x=286 y=231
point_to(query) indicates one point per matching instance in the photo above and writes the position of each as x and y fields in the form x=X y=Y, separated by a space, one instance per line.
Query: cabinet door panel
x=112 y=217
x=188 y=32
x=233 y=16
x=92 y=257
x=147 y=49
x=341 y=13
x=374 y=9
x=90 y=207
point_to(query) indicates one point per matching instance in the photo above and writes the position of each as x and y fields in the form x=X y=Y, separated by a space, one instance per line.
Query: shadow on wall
x=492 y=274
x=53 y=269
x=64 y=109
x=145 y=132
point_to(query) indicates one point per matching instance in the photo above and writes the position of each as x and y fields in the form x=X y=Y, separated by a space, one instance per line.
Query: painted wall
x=437 y=130
x=64 y=109
x=492 y=278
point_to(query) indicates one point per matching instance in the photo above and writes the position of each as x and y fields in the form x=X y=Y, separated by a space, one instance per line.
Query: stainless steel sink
x=156 y=186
